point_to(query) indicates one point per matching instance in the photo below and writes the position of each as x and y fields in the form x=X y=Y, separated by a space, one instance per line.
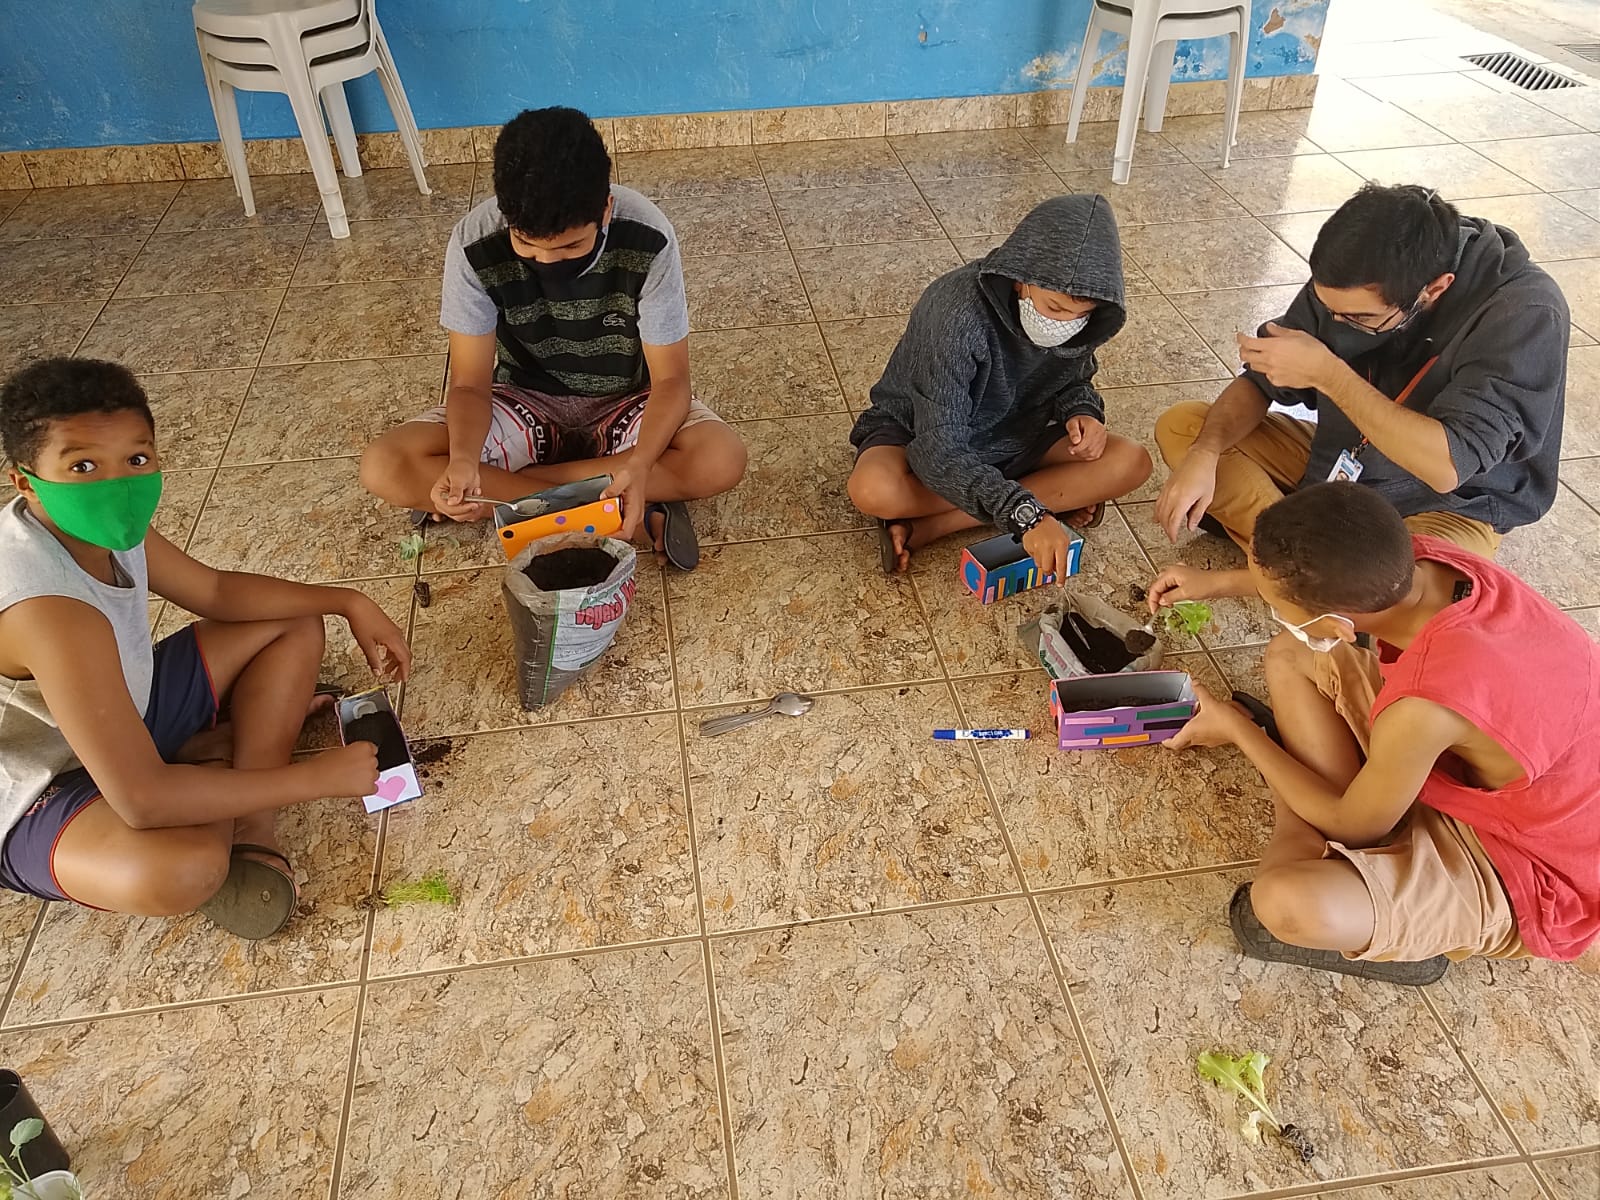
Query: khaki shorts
x=528 y=428
x=1434 y=890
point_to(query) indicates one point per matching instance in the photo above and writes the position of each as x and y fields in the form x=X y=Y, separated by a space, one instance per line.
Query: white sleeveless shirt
x=34 y=564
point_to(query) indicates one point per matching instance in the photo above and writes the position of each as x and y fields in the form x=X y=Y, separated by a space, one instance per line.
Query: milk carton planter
x=1137 y=708
x=57 y=1185
x=998 y=567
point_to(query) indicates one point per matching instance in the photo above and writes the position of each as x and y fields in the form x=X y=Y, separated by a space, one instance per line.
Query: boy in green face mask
x=109 y=794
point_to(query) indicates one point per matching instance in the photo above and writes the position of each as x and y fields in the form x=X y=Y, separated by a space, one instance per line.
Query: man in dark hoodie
x=1434 y=353
x=986 y=412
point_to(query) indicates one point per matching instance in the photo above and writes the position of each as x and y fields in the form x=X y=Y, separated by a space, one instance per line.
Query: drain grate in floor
x=1588 y=50
x=1530 y=76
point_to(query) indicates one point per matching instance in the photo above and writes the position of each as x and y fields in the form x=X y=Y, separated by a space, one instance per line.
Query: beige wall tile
x=13 y=171
x=438 y=146
x=940 y=116
x=483 y=137
x=820 y=123
x=263 y=156
x=1294 y=91
x=681 y=131
x=103 y=164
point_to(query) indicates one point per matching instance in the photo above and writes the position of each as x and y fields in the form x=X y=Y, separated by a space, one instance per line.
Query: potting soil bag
x=566 y=597
x=1058 y=638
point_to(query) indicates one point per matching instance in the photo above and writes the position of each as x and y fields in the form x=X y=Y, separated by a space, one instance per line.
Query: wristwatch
x=1026 y=515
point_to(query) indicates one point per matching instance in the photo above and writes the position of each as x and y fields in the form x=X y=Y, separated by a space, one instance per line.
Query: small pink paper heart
x=391 y=788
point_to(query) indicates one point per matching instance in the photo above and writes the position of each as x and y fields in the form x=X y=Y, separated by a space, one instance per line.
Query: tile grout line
x=1091 y=1065
x=1352 y=1183
x=1472 y=1073
x=708 y=977
x=22 y=960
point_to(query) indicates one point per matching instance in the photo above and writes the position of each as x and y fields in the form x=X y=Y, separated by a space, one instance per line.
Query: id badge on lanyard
x=1347 y=467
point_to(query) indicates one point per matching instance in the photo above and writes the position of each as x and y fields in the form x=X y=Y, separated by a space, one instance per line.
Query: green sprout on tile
x=432 y=888
x=411 y=547
x=16 y=1182
x=1187 y=617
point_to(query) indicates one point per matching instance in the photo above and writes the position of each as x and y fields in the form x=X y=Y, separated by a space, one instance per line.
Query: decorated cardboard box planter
x=998 y=567
x=369 y=717
x=1132 y=708
x=566 y=508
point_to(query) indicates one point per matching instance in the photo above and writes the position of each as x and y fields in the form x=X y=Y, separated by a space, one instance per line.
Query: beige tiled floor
x=833 y=959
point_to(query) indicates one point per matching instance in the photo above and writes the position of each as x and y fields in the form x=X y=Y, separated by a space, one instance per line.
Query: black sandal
x=678 y=540
x=888 y=557
x=1255 y=942
x=1260 y=712
x=257 y=899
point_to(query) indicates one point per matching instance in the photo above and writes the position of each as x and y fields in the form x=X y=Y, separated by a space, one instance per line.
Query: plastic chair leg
x=396 y=96
x=1236 y=65
x=343 y=129
x=232 y=139
x=308 y=114
x=1080 y=85
x=1141 y=42
x=1160 y=79
x=404 y=117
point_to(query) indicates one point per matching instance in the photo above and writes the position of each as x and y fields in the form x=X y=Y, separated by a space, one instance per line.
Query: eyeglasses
x=1393 y=323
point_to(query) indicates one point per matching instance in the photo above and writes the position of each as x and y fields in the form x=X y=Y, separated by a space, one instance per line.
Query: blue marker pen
x=977 y=735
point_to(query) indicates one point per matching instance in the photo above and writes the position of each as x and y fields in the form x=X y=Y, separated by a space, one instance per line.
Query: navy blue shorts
x=885 y=432
x=182 y=703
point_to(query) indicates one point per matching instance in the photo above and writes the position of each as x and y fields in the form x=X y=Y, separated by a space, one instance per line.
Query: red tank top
x=1528 y=676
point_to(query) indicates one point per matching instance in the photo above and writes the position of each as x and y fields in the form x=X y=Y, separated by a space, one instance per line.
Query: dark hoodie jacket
x=966 y=382
x=1500 y=332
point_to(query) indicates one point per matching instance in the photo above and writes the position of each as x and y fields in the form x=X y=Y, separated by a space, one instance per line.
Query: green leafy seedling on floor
x=1187 y=617
x=432 y=888
x=411 y=547
x=1245 y=1075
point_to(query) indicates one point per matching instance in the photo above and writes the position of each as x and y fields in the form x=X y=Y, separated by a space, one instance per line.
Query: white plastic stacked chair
x=1153 y=28
x=304 y=49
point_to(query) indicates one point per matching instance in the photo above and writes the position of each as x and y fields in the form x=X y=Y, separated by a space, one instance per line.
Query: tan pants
x=1268 y=462
x=1434 y=890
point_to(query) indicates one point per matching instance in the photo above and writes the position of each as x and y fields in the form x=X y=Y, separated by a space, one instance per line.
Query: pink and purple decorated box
x=1134 y=708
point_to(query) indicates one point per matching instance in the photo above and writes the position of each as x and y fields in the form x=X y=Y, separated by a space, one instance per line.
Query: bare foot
x=1083 y=518
x=901 y=534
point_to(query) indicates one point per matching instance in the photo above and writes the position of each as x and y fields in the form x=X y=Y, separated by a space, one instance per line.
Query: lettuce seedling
x=1187 y=617
x=1245 y=1075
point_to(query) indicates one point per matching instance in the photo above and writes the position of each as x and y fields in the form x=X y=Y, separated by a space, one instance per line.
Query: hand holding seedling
x=1086 y=439
x=1178 y=584
x=1289 y=358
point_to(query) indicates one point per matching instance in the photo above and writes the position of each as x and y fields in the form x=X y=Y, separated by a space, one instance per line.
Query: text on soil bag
x=597 y=616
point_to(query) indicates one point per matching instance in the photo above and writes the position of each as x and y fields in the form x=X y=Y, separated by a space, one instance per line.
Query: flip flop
x=1097 y=513
x=1255 y=942
x=887 y=558
x=678 y=538
x=257 y=899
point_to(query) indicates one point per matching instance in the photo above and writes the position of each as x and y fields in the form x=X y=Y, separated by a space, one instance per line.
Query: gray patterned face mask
x=1042 y=330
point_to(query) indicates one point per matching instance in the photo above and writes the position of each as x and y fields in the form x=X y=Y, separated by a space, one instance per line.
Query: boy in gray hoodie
x=986 y=413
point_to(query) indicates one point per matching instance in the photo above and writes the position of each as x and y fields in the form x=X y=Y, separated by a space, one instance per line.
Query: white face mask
x=1044 y=332
x=1320 y=644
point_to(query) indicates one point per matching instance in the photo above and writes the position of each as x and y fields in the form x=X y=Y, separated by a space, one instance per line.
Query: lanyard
x=1405 y=394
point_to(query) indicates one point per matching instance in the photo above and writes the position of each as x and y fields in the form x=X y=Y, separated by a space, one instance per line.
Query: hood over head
x=1067 y=244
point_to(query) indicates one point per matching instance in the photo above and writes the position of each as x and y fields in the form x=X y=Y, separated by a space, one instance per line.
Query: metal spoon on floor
x=785 y=704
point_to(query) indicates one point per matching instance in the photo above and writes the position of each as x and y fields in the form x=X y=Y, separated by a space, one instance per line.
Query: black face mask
x=567 y=269
x=1350 y=343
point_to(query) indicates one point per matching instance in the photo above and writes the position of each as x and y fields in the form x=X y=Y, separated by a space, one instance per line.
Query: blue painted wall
x=102 y=72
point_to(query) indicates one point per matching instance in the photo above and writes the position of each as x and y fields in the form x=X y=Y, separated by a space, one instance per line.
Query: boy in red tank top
x=1435 y=799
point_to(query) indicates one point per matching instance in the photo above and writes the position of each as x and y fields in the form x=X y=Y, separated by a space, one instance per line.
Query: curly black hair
x=551 y=172
x=1336 y=547
x=55 y=388
x=1398 y=239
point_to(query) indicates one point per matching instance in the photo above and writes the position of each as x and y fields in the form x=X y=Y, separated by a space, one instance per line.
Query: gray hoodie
x=966 y=383
x=1500 y=334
